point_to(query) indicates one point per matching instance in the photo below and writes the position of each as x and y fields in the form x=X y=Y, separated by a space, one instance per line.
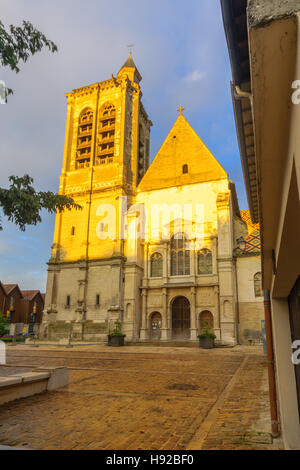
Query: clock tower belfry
x=106 y=154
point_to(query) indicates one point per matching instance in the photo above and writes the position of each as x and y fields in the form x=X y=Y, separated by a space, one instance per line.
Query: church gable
x=182 y=159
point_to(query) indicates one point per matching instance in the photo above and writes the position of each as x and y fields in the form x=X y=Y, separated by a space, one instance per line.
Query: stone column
x=80 y=310
x=164 y=329
x=217 y=329
x=165 y=263
x=193 y=328
x=144 y=329
x=193 y=263
x=146 y=255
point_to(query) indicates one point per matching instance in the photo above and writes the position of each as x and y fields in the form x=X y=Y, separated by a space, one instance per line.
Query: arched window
x=84 y=139
x=180 y=255
x=257 y=285
x=106 y=135
x=185 y=169
x=205 y=261
x=156 y=263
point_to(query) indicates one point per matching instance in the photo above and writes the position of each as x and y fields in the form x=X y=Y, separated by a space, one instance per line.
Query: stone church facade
x=162 y=248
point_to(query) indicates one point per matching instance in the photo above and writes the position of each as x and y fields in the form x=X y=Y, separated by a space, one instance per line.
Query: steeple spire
x=130 y=69
x=129 y=62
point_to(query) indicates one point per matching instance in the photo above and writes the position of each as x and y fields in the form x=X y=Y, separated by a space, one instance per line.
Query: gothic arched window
x=185 y=169
x=106 y=135
x=180 y=255
x=84 y=139
x=257 y=285
x=205 y=261
x=156 y=263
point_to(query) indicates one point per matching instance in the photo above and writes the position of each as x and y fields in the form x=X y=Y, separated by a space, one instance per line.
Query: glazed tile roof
x=253 y=242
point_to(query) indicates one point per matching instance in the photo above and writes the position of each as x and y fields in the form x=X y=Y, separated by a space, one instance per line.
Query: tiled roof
x=29 y=294
x=253 y=242
x=9 y=287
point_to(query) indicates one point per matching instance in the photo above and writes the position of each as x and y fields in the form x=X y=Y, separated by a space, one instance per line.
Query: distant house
x=22 y=309
x=12 y=307
x=32 y=306
x=2 y=299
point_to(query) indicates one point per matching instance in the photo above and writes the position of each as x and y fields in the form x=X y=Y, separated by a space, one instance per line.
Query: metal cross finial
x=180 y=109
x=130 y=47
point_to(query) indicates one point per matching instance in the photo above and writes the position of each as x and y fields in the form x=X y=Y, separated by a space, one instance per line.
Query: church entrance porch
x=181 y=319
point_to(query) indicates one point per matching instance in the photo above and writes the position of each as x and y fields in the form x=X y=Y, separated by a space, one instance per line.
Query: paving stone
x=141 y=398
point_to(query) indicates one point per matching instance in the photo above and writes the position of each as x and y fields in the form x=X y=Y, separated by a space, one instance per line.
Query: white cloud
x=194 y=76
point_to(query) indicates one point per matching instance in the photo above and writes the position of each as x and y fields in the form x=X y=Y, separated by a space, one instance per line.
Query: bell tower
x=106 y=153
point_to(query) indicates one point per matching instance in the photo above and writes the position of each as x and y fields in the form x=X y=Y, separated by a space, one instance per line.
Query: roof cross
x=130 y=47
x=180 y=109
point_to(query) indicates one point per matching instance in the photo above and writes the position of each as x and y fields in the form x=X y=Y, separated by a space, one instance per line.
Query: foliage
x=116 y=331
x=18 y=43
x=2 y=324
x=9 y=339
x=22 y=204
x=207 y=332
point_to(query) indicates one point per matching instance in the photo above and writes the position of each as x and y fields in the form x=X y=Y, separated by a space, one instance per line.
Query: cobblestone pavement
x=141 y=397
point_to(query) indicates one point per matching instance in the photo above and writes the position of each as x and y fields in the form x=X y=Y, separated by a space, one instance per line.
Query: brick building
x=22 y=309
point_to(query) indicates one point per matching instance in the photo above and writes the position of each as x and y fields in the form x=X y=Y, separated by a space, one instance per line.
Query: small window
x=68 y=303
x=73 y=231
x=185 y=169
x=257 y=285
x=97 y=299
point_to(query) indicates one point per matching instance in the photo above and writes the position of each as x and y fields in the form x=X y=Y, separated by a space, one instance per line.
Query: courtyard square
x=143 y=397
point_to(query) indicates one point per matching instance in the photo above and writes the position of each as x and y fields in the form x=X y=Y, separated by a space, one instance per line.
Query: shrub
x=3 y=324
x=207 y=332
x=116 y=331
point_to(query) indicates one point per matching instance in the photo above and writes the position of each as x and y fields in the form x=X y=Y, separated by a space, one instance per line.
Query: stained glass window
x=156 y=262
x=205 y=261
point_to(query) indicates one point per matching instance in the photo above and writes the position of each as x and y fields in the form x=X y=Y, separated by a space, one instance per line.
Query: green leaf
x=22 y=205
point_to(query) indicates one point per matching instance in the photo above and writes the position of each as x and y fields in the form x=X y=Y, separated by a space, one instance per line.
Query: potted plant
x=116 y=337
x=207 y=337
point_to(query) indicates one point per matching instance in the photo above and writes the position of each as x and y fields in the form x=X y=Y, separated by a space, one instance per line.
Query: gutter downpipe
x=271 y=366
x=243 y=94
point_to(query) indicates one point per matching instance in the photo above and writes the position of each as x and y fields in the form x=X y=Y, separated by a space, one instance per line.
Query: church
x=162 y=248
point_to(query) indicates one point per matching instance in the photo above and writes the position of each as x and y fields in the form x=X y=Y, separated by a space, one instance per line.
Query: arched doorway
x=156 y=325
x=206 y=319
x=181 y=318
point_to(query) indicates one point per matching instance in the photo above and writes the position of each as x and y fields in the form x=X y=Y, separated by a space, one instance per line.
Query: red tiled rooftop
x=29 y=294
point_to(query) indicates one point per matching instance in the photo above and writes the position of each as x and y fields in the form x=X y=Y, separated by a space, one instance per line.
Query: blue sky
x=181 y=52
